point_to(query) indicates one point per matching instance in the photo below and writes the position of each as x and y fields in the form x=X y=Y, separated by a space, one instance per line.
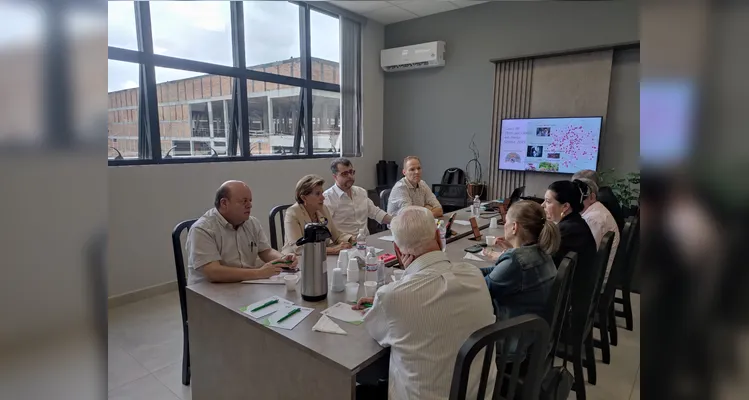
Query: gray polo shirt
x=212 y=238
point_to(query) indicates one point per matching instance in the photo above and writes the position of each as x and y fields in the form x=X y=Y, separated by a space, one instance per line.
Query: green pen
x=366 y=305
x=292 y=312
x=270 y=303
x=282 y=262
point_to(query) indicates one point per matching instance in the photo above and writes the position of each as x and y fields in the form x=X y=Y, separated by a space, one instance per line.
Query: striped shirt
x=425 y=318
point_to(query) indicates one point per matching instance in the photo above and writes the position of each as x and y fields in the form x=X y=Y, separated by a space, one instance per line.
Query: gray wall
x=433 y=113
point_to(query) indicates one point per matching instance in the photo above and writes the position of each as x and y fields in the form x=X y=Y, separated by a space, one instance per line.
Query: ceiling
x=389 y=12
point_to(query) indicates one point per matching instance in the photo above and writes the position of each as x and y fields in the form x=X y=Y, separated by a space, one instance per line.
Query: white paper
x=461 y=222
x=387 y=238
x=471 y=257
x=326 y=325
x=273 y=280
x=292 y=321
x=266 y=310
x=343 y=312
x=378 y=251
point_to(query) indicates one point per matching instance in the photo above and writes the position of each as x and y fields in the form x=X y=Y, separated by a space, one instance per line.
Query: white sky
x=201 y=30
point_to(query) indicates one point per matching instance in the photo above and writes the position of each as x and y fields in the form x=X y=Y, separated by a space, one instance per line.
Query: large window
x=211 y=81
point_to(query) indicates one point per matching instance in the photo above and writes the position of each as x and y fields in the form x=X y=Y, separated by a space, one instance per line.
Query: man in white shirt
x=600 y=221
x=412 y=191
x=349 y=205
x=427 y=316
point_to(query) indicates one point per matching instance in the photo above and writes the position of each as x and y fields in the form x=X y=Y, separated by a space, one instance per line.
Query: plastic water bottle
x=443 y=234
x=476 y=209
x=380 y=272
x=361 y=243
x=370 y=272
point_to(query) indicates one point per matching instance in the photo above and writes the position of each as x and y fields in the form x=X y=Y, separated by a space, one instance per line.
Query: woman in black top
x=563 y=203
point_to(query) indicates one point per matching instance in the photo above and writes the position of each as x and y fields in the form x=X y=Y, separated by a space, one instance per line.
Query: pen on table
x=292 y=312
x=282 y=262
x=260 y=307
x=366 y=305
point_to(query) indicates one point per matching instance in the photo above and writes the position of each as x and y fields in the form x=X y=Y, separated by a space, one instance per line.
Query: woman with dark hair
x=563 y=203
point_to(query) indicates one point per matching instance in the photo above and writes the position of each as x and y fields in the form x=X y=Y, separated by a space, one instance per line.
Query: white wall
x=146 y=202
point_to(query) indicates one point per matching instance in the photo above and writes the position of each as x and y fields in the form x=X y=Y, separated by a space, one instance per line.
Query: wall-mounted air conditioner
x=425 y=55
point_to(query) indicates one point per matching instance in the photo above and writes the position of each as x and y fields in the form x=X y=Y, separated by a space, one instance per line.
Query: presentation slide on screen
x=564 y=145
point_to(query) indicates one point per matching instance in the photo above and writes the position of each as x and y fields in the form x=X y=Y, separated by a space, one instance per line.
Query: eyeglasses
x=347 y=173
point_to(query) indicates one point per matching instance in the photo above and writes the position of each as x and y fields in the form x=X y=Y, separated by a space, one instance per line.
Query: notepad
x=273 y=280
x=265 y=310
x=343 y=312
x=288 y=323
x=471 y=257
x=387 y=238
x=462 y=222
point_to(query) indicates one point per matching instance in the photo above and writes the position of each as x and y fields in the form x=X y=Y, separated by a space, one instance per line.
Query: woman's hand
x=503 y=244
x=491 y=254
x=333 y=250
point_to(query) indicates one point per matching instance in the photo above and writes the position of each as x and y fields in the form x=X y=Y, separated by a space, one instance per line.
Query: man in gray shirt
x=226 y=241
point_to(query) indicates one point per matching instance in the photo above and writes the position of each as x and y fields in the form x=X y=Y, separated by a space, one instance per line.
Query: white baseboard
x=141 y=294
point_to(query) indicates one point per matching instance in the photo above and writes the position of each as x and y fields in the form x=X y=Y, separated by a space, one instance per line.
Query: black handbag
x=557 y=384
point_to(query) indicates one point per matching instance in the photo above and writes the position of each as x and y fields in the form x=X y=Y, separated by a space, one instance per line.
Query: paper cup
x=352 y=292
x=490 y=240
x=370 y=288
x=290 y=281
x=493 y=223
x=398 y=274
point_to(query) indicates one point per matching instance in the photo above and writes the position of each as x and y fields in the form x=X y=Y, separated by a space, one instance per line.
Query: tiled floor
x=145 y=355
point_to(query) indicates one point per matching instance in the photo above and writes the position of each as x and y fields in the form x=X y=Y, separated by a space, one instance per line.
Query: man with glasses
x=225 y=243
x=349 y=205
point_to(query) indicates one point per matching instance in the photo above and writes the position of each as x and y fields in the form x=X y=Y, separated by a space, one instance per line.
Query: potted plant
x=474 y=173
x=624 y=189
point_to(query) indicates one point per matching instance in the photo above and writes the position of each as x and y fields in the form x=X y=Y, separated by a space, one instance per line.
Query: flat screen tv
x=557 y=145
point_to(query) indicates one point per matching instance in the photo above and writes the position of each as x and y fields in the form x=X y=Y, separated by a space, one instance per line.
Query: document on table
x=265 y=310
x=462 y=222
x=291 y=321
x=343 y=312
x=471 y=257
x=273 y=280
x=326 y=325
x=387 y=238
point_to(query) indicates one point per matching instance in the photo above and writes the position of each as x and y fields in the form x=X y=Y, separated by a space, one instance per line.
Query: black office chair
x=281 y=212
x=625 y=284
x=578 y=336
x=179 y=264
x=605 y=320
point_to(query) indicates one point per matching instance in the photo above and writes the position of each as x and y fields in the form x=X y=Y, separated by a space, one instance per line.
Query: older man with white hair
x=600 y=221
x=410 y=315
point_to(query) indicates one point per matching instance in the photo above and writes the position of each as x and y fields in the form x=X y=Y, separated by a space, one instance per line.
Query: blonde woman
x=308 y=208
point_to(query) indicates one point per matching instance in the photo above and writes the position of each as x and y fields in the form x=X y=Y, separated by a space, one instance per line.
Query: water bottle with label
x=370 y=273
x=443 y=234
x=361 y=243
x=380 y=272
x=476 y=208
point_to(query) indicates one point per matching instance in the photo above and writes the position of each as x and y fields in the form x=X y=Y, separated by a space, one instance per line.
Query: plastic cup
x=490 y=240
x=352 y=292
x=398 y=274
x=343 y=261
x=290 y=281
x=493 y=223
x=370 y=288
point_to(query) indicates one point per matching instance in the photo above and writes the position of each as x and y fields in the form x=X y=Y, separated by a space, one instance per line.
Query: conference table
x=235 y=356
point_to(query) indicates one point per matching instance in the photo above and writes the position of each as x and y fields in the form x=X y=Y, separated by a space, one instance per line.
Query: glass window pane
x=326 y=122
x=325 y=38
x=194 y=30
x=273 y=112
x=271 y=31
x=194 y=113
x=122 y=114
x=121 y=25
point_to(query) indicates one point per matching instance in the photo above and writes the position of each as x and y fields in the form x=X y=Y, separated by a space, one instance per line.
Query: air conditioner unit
x=425 y=55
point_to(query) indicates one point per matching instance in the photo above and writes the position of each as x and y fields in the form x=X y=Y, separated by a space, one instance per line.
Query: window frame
x=147 y=60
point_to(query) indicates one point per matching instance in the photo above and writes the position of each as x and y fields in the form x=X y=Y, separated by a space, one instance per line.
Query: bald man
x=225 y=243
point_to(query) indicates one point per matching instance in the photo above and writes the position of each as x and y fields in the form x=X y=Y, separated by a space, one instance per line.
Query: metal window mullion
x=306 y=56
x=238 y=54
x=145 y=44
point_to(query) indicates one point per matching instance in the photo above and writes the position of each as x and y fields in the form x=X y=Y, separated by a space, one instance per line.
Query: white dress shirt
x=425 y=318
x=404 y=194
x=351 y=213
x=601 y=221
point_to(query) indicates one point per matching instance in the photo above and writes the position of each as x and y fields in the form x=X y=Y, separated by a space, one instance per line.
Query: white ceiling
x=388 y=12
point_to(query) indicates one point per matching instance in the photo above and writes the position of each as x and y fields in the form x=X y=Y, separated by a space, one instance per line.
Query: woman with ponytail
x=524 y=272
x=563 y=203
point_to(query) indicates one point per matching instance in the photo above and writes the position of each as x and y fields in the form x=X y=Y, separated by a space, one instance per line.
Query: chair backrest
x=619 y=267
x=384 y=197
x=453 y=176
x=601 y=261
x=557 y=304
x=179 y=262
x=533 y=333
x=633 y=248
x=280 y=212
